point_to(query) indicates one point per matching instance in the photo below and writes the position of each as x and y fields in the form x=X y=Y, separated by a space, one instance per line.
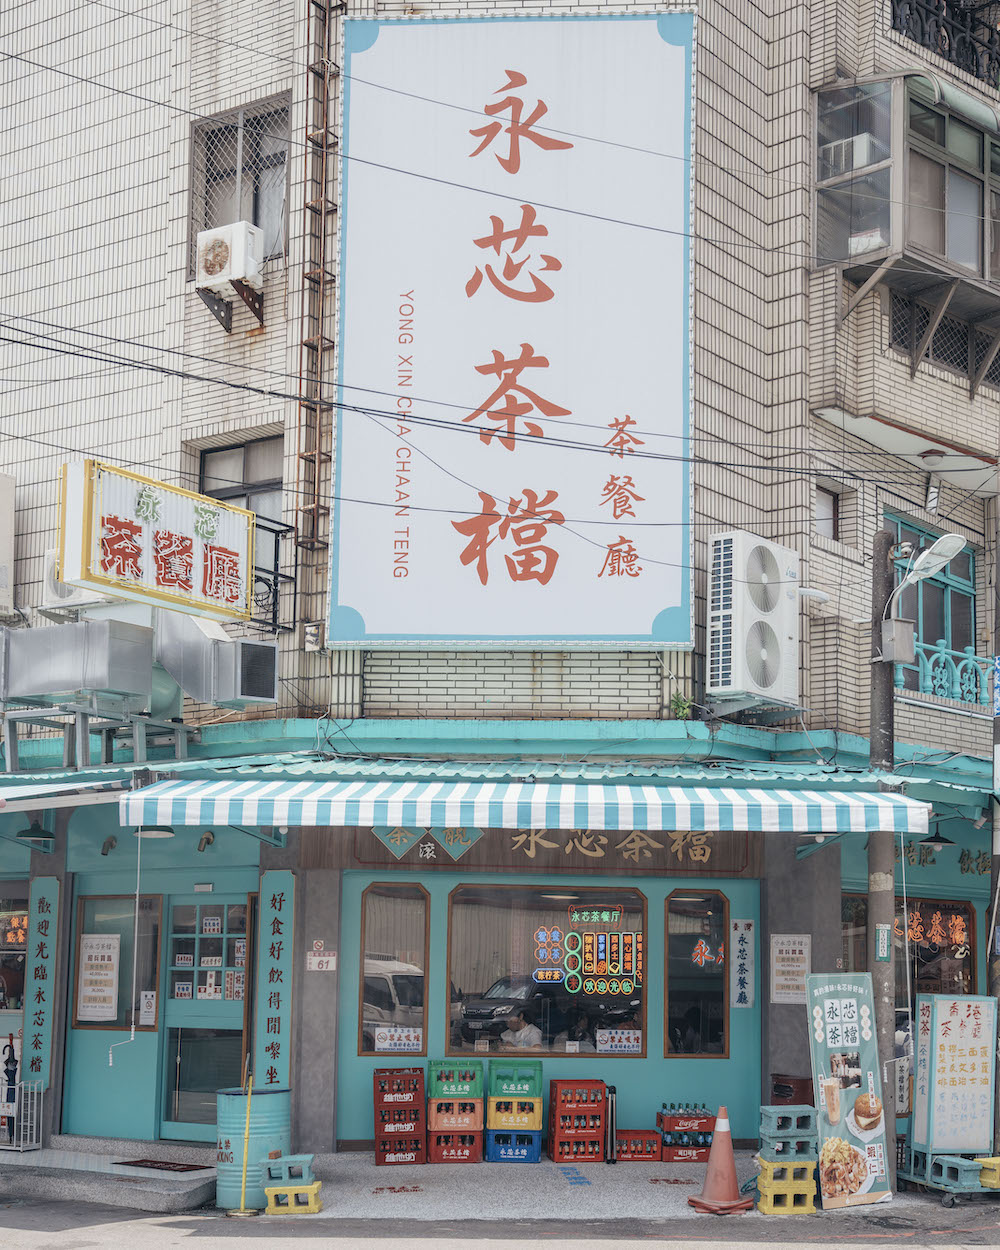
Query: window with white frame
x=240 y=172
x=249 y=476
x=827 y=513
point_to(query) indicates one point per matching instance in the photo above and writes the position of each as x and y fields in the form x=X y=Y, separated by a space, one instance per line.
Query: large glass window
x=546 y=968
x=855 y=206
x=208 y=952
x=105 y=949
x=394 y=920
x=696 y=1007
x=13 y=943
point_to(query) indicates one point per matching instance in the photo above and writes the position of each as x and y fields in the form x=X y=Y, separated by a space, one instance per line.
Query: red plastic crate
x=667 y=1122
x=399 y=1087
x=395 y=1151
x=454 y=1147
x=455 y=1115
x=686 y=1154
x=576 y=1122
x=576 y=1149
x=638 y=1146
x=586 y=1095
x=392 y=1121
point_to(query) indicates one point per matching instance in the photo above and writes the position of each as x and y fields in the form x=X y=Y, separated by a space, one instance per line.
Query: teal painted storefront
x=642 y=1083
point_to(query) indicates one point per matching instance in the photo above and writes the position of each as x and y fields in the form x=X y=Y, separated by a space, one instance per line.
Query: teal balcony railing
x=949 y=674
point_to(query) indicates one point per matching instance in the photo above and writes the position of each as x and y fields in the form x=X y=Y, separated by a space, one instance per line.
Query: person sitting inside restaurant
x=577 y=1030
x=522 y=1033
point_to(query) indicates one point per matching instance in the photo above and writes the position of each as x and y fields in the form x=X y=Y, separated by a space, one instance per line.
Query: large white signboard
x=136 y=538
x=97 y=982
x=955 y=1051
x=511 y=460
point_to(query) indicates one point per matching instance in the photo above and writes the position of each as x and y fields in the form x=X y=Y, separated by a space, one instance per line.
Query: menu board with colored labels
x=602 y=963
x=955 y=1070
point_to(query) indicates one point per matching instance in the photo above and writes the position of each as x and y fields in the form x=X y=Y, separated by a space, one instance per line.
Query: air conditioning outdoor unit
x=246 y=672
x=57 y=594
x=753 y=619
x=230 y=254
x=847 y=154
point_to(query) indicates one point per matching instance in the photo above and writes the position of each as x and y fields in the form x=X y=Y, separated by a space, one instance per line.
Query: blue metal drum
x=270 y=1134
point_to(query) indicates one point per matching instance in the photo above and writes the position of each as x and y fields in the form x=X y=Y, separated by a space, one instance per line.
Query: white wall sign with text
x=97 y=981
x=742 y=963
x=514 y=342
x=791 y=963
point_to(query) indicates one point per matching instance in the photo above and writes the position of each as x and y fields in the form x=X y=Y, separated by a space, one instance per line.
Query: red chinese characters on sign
x=517 y=129
x=515 y=240
x=174 y=558
x=621 y=560
x=702 y=953
x=121 y=549
x=622 y=440
x=508 y=372
x=527 y=523
x=221 y=579
x=621 y=493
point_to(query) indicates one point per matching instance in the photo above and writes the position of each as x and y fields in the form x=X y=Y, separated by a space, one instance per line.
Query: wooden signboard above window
x=629 y=852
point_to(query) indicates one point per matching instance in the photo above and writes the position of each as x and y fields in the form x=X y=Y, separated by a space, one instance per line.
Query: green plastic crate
x=515 y=1076
x=455 y=1078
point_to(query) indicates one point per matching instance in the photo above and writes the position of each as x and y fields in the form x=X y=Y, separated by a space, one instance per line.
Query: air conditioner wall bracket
x=254 y=300
x=219 y=308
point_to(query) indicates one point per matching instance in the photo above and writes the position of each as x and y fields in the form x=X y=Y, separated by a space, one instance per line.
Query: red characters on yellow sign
x=517 y=129
x=174 y=556
x=526 y=523
x=121 y=550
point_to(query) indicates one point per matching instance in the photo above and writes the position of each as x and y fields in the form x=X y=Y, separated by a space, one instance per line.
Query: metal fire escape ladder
x=316 y=339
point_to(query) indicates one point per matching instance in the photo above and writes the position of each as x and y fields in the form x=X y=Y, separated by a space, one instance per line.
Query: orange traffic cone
x=721 y=1194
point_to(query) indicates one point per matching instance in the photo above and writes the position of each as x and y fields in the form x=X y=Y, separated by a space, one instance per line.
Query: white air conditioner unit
x=246 y=672
x=847 y=154
x=230 y=254
x=58 y=595
x=753 y=619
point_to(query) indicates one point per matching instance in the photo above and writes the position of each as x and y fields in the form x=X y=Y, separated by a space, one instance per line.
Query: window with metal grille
x=239 y=172
x=949 y=344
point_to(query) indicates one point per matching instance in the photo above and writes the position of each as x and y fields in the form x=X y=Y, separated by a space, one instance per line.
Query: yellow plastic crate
x=989 y=1176
x=785 y=1202
x=514 y=1113
x=293 y=1199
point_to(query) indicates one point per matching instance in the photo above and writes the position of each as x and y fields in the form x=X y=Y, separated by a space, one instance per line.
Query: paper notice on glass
x=97 y=984
x=791 y=960
x=399 y=1037
x=147 y=1007
x=618 y=1041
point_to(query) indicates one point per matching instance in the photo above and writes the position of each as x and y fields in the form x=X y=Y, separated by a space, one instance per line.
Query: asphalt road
x=33 y=1225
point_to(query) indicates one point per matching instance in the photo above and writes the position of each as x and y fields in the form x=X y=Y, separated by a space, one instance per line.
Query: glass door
x=209 y=958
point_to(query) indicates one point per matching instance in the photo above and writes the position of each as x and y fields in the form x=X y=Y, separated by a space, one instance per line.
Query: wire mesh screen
x=239 y=172
x=950 y=344
x=900 y=315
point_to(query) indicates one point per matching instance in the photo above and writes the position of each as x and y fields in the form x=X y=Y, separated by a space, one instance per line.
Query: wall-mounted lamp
x=206 y=839
x=154 y=831
x=109 y=845
x=933 y=457
x=35 y=833
x=936 y=841
x=979 y=822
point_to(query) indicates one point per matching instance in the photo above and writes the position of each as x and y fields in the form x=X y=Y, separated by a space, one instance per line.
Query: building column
x=53 y=864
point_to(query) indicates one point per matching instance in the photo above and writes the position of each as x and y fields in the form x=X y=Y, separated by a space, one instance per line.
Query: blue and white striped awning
x=519 y=805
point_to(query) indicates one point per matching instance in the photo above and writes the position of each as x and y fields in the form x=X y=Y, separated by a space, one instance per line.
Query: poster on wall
x=853 y=1168
x=97 y=981
x=956 y=1070
x=511 y=461
x=742 y=963
x=399 y=1037
x=791 y=960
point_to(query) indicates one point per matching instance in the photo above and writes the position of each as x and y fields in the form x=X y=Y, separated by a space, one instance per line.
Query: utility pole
x=881 y=846
x=991 y=942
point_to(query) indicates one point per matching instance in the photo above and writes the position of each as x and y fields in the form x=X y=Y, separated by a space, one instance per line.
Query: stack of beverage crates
x=455 y=1111
x=399 y=1116
x=514 y=1111
x=687 y=1130
x=577 y=1112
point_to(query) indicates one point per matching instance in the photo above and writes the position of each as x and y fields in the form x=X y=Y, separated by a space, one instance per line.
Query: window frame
x=244 y=489
x=561 y=1055
x=246 y=122
x=391 y=1054
x=835 y=525
x=950 y=582
x=105 y=1025
x=673 y=1054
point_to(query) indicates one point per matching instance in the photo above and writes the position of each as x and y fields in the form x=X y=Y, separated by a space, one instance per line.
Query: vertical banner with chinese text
x=514 y=338
x=273 y=1034
x=40 y=979
x=955 y=1070
x=853 y=1169
x=742 y=963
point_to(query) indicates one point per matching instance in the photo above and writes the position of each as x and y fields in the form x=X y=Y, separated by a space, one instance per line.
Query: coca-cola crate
x=454 y=1147
x=576 y=1122
x=638 y=1146
x=393 y=1150
x=686 y=1154
x=455 y=1115
x=678 y=1122
x=398 y=1087
x=404 y=1121
x=576 y=1149
x=586 y=1095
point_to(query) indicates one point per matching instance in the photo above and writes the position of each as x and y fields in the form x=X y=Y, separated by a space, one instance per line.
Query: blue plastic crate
x=513 y=1146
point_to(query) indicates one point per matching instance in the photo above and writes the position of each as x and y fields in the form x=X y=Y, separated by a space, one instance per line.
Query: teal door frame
x=642 y=1084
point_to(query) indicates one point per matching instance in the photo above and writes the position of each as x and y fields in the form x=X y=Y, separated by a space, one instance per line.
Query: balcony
x=965 y=34
x=959 y=675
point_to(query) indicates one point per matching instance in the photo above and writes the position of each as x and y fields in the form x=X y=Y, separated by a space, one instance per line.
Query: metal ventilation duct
x=62 y=663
